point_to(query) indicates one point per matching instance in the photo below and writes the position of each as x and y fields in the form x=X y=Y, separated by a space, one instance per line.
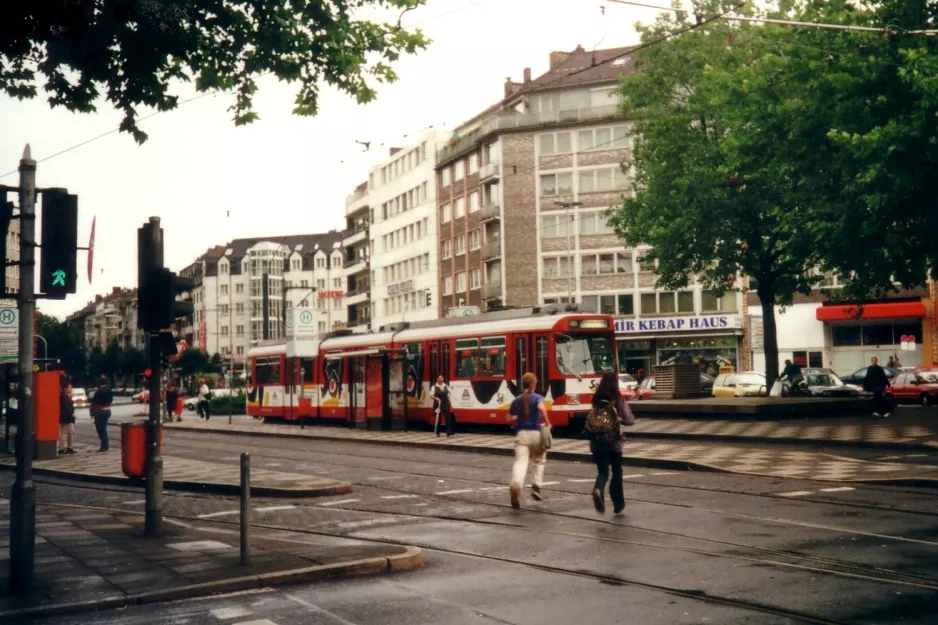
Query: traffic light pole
x=23 y=496
x=150 y=259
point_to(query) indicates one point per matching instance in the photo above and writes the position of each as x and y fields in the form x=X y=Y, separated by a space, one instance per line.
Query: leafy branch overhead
x=130 y=51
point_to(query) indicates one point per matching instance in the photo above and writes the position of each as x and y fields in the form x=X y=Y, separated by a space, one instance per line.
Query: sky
x=211 y=182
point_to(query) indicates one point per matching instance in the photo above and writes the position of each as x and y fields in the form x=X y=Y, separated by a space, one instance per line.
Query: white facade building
x=303 y=271
x=393 y=217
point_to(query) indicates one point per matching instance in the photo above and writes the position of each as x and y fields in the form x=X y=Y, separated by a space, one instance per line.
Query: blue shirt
x=533 y=420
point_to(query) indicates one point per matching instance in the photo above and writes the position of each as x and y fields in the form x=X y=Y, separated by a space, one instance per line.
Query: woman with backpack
x=528 y=414
x=604 y=430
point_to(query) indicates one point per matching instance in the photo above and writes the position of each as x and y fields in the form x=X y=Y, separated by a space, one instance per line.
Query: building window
x=603 y=138
x=557 y=184
x=322 y=326
x=649 y=303
x=555 y=226
x=475 y=240
x=460 y=245
x=239 y=350
x=555 y=143
x=224 y=330
x=556 y=267
x=445 y=177
x=460 y=207
x=461 y=282
x=446 y=251
x=685 y=301
x=445 y=214
x=626 y=304
x=709 y=302
x=475 y=278
x=224 y=289
x=448 y=285
x=647 y=265
x=594 y=223
x=296 y=264
x=337 y=283
x=473 y=162
x=321 y=263
x=459 y=170
x=473 y=201
x=603 y=179
x=606 y=263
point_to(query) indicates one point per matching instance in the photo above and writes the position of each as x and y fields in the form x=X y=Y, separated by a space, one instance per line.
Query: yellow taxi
x=745 y=384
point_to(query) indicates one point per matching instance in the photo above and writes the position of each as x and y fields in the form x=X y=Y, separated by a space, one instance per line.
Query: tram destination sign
x=690 y=323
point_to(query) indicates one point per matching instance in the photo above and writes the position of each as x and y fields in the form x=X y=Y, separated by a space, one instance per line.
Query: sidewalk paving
x=185 y=474
x=94 y=558
x=772 y=461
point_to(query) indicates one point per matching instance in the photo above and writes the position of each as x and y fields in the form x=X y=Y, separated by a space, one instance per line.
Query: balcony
x=492 y=290
x=490 y=211
x=488 y=171
x=358 y=323
x=355 y=265
x=354 y=235
x=357 y=200
x=513 y=121
x=492 y=250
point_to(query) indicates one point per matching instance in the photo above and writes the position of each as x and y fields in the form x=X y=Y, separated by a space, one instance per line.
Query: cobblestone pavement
x=187 y=474
x=713 y=456
x=88 y=558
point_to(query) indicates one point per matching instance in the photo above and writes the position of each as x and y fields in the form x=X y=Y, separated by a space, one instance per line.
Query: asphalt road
x=690 y=548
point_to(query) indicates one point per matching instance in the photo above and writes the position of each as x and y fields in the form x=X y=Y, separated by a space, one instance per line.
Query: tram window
x=493 y=357
x=542 y=372
x=308 y=364
x=273 y=368
x=467 y=358
x=445 y=371
x=433 y=364
x=267 y=371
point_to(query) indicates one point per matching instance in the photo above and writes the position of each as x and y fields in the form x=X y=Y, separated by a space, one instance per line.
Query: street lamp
x=568 y=206
x=45 y=345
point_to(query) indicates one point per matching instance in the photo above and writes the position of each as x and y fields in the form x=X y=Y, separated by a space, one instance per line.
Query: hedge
x=220 y=405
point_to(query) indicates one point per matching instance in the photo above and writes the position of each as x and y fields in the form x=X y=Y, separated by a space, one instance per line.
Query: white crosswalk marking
x=224 y=614
x=215 y=514
x=625 y=477
x=400 y=496
x=262 y=621
x=134 y=502
x=341 y=501
x=796 y=493
x=839 y=489
x=549 y=483
x=583 y=480
x=454 y=492
x=274 y=508
x=665 y=473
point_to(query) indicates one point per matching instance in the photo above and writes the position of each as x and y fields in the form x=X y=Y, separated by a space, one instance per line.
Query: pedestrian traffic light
x=158 y=308
x=58 y=267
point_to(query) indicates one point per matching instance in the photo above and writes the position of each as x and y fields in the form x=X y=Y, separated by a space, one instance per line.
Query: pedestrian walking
x=527 y=413
x=204 y=396
x=604 y=430
x=443 y=407
x=876 y=382
x=101 y=410
x=66 y=421
x=172 y=403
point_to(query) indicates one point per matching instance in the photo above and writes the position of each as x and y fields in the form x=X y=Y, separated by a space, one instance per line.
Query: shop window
x=845 y=336
x=877 y=335
x=467 y=357
x=808 y=359
x=493 y=357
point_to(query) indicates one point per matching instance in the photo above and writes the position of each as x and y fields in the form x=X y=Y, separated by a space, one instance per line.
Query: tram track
x=617 y=580
x=221 y=448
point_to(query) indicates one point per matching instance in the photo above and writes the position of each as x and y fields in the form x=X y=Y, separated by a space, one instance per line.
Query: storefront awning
x=897 y=310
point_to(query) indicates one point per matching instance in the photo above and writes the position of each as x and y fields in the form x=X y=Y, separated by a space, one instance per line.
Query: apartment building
x=109 y=318
x=522 y=191
x=302 y=272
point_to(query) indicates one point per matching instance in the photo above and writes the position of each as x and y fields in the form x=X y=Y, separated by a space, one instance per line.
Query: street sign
x=9 y=322
x=301 y=324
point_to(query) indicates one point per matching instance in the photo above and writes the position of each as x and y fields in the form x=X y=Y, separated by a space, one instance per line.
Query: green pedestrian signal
x=58 y=278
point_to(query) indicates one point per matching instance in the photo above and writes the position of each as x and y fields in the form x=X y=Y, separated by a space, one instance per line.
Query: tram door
x=357 y=402
x=522 y=359
x=375 y=395
x=541 y=364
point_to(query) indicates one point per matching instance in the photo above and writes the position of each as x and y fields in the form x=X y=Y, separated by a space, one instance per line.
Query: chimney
x=527 y=75
x=558 y=58
x=511 y=87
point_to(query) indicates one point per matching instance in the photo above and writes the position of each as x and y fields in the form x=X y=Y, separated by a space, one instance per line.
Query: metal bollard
x=245 y=508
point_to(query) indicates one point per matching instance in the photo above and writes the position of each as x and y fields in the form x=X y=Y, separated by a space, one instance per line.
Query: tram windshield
x=584 y=354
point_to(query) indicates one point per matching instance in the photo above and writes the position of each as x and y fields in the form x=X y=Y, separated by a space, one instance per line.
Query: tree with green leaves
x=97 y=365
x=131 y=52
x=748 y=156
x=133 y=363
x=64 y=344
x=192 y=361
x=113 y=357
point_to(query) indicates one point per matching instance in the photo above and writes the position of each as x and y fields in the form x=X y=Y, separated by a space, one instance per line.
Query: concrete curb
x=629 y=461
x=197 y=487
x=811 y=442
x=411 y=559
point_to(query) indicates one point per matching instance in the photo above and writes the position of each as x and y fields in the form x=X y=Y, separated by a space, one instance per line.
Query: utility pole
x=568 y=206
x=23 y=496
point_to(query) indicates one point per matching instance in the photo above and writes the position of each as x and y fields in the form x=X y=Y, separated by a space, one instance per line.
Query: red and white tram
x=384 y=379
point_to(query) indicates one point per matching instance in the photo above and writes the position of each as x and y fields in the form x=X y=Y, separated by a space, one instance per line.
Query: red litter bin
x=134 y=448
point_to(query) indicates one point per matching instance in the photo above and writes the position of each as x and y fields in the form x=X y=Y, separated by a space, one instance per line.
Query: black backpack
x=602 y=424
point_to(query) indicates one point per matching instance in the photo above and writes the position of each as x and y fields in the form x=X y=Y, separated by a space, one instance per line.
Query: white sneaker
x=887 y=415
x=877 y=415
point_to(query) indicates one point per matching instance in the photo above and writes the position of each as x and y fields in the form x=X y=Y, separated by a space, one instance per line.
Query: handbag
x=546 y=438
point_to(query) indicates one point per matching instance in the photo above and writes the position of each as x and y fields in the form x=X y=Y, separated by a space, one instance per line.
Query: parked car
x=79 y=398
x=627 y=382
x=646 y=390
x=858 y=376
x=706 y=384
x=143 y=397
x=915 y=387
x=745 y=384
x=825 y=383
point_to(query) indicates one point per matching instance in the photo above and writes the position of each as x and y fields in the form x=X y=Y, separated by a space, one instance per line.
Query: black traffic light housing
x=58 y=266
x=158 y=308
x=6 y=216
x=429 y=299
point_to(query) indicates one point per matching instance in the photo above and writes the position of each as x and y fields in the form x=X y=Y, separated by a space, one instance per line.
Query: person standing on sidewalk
x=443 y=406
x=876 y=382
x=204 y=396
x=66 y=421
x=172 y=398
x=528 y=413
x=606 y=443
x=101 y=410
